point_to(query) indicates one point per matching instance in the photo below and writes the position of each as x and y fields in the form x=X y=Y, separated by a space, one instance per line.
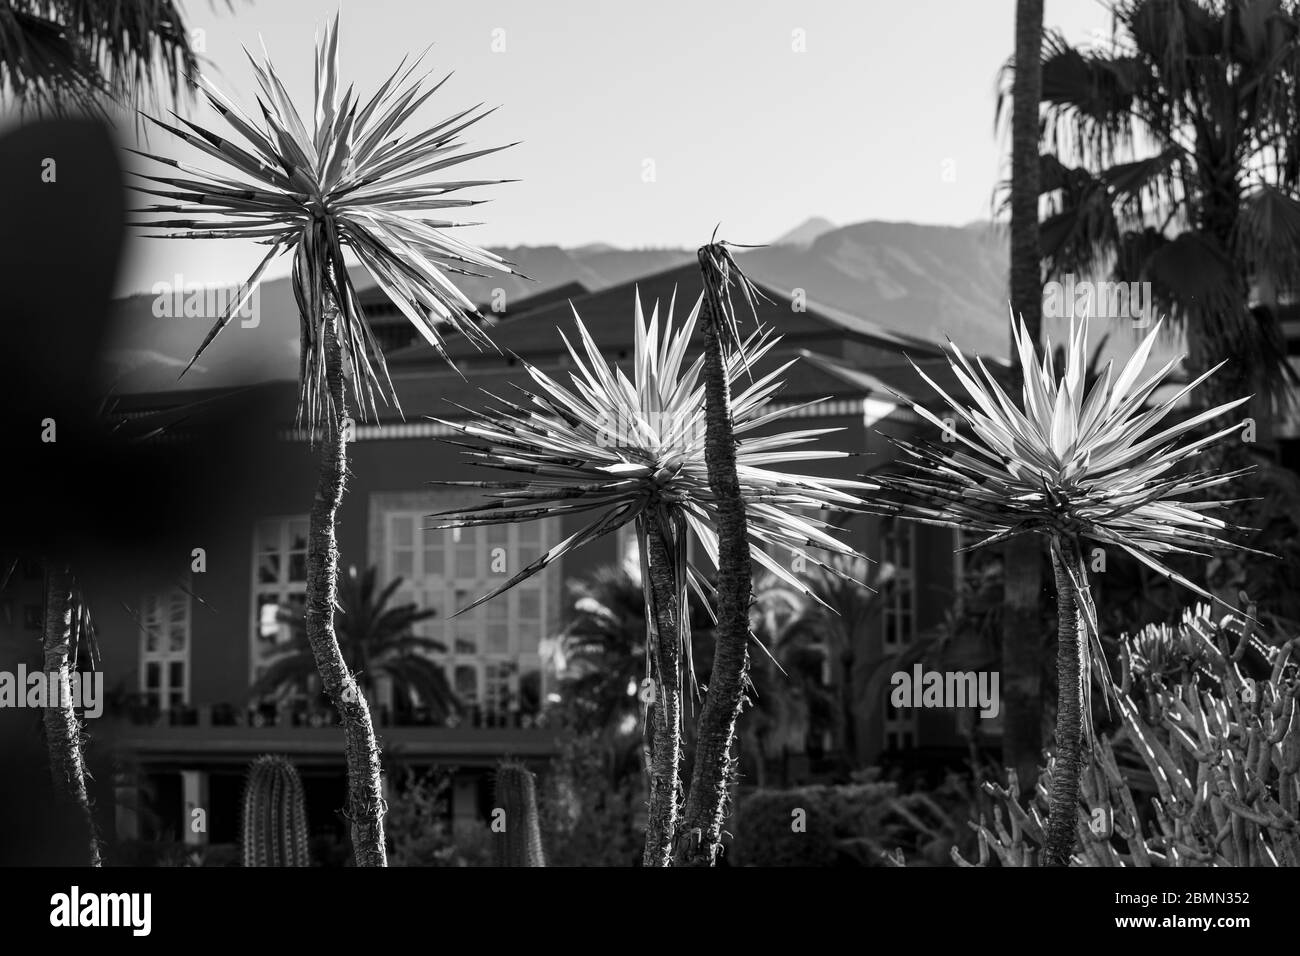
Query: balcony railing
x=139 y=711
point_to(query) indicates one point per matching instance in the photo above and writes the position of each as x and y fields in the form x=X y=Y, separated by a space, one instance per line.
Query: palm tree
x=634 y=451
x=376 y=640
x=60 y=55
x=785 y=688
x=1075 y=466
x=1186 y=147
x=68 y=631
x=604 y=648
x=352 y=181
x=837 y=618
x=1021 y=636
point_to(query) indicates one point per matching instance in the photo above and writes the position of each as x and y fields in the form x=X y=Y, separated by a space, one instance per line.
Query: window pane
x=176 y=675
x=498 y=639
x=298 y=566
x=498 y=609
x=298 y=534
x=152 y=675
x=466 y=561
x=402 y=564
x=268 y=536
x=268 y=569
x=530 y=605
x=403 y=531
x=434 y=545
x=467 y=683
x=498 y=534
x=530 y=532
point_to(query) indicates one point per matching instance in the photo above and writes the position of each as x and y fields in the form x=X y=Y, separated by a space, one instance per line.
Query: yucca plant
x=1078 y=468
x=353 y=181
x=701 y=832
x=68 y=632
x=632 y=450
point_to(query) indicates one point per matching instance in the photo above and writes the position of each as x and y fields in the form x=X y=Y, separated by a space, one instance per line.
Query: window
x=279 y=587
x=900 y=726
x=482 y=650
x=898 y=539
x=165 y=648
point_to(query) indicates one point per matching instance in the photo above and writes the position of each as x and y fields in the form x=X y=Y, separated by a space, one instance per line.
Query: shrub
x=1202 y=769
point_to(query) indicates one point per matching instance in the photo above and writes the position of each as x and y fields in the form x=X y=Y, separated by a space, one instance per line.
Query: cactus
x=517 y=837
x=275 y=815
x=1204 y=769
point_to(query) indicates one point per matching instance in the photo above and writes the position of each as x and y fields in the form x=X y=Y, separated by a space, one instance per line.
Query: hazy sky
x=886 y=113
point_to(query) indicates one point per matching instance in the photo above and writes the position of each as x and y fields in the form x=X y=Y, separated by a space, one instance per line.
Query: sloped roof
x=607 y=316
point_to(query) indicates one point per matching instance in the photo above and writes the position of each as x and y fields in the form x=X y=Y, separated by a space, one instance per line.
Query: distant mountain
x=924 y=280
x=928 y=281
x=806 y=233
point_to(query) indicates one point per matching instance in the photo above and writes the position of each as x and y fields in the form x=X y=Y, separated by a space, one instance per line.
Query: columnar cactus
x=517 y=837
x=275 y=815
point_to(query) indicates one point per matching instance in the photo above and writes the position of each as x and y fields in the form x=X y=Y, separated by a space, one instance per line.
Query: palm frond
x=64 y=55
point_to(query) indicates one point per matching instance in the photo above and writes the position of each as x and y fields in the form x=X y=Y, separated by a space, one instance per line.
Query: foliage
x=64 y=55
x=1081 y=467
x=418 y=831
x=632 y=450
x=1204 y=768
x=352 y=181
x=591 y=808
x=603 y=646
x=855 y=824
x=375 y=640
x=1183 y=128
x=274 y=820
x=788 y=698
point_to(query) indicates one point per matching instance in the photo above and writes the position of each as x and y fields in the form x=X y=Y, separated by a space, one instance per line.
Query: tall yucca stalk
x=701 y=831
x=352 y=181
x=634 y=451
x=1078 y=468
x=67 y=632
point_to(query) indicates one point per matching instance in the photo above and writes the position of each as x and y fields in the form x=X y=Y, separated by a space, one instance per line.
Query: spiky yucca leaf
x=1076 y=464
x=1080 y=465
x=350 y=179
x=621 y=449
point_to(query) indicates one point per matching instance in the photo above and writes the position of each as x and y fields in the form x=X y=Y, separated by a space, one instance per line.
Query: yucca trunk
x=1064 y=797
x=365 y=809
x=1022 y=740
x=62 y=727
x=700 y=830
x=665 y=763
